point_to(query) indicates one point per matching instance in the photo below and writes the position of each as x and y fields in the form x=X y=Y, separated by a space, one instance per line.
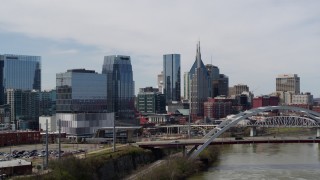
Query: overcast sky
x=251 y=41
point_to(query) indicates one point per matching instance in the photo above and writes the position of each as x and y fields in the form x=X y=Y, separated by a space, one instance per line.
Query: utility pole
x=59 y=124
x=47 y=155
x=189 y=119
x=114 y=134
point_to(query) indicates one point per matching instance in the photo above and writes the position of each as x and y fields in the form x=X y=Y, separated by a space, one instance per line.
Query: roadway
x=245 y=140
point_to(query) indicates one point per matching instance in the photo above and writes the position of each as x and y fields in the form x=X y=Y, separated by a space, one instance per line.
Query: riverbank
x=100 y=165
x=181 y=167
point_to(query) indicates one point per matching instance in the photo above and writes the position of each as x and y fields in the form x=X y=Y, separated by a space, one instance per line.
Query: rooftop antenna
x=211 y=59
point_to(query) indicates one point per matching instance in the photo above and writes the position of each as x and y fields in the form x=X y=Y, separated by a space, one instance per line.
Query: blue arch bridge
x=294 y=117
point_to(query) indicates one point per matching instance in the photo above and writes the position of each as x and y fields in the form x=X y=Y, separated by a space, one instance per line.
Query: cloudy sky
x=251 y=41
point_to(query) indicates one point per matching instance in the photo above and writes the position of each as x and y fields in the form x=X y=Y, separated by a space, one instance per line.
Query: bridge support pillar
x=184 y=152
x=318 y=132
x=253 y=131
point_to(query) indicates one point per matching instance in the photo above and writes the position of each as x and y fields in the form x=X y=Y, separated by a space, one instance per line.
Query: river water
x=266 y=161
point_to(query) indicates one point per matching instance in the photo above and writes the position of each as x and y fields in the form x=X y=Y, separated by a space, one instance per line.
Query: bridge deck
x=193 y=142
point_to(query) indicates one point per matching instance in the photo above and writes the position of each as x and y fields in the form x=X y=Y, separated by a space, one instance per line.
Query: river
x=265 y=161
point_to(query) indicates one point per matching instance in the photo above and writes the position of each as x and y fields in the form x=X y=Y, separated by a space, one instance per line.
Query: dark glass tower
x=20 y=84
x=171 y=77
x=19 y=72
x=120 y=87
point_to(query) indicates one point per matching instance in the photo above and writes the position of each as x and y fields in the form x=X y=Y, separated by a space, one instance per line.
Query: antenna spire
x=198 y=57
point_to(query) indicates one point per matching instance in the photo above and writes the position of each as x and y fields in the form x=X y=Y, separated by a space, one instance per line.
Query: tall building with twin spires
x=200 y=86
x=120 y=88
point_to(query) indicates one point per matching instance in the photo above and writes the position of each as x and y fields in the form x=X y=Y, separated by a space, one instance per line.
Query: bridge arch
x=235 y=119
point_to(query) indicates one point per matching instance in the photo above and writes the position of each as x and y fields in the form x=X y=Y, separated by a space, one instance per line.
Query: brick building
x=265 y=101
x=8 y=138
x=217 y=108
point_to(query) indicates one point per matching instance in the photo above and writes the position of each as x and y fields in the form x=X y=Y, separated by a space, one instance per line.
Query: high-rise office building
x=213 y=71
x=238 y=89
x=160 y=82
x=24 y=108
x=214 y=77
x=19 y=72
x=20 y=82
x=288 y=83
x=171 y=77
x=151 y=101
x=221 y=86
x=186 y=86
x=200 y=86
x=5 y=112
x=216 y=108
x=120 y=89
x=47 y=103
x=81 y=98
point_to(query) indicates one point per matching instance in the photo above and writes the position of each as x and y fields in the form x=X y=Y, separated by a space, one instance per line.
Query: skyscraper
x=48 y=103
x=200 y=86
x=238 y=89
x=120 y=89
x=186 y=86
x=160 y=82
x=20 y=83
x=19 y=72
x=214 y=79
x=288 y=83
x=24 y=107
x=223 y=85
x=171 y=77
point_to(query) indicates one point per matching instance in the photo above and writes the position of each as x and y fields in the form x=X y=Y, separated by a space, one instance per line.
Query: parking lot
x=37 y=151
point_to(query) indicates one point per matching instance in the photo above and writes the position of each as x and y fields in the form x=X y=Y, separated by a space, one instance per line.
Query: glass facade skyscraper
x=120 y=88
x=24 y=107
x=47 y=103
x=20 y=84
x=171 y=77
x=19 y=72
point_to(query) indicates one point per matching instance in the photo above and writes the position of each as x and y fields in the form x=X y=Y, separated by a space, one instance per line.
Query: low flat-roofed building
x=303 y=98
x=16 y=167
x=159 y=118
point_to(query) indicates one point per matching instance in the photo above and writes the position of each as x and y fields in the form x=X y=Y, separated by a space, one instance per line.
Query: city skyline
x=251 y=41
